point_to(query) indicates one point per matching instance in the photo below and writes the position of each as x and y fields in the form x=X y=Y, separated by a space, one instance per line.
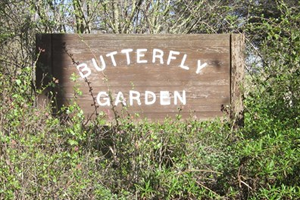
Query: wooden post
x=44 y=66
x=237 y=75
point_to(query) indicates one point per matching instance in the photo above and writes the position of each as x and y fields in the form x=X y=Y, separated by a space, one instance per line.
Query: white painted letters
x=157 y=56
x=105 y=98
x=182 y=63
x=120 y=99
x=147 y=97
x=134 y=95
x=200 y=67
x=84 y=68
x=103 y=66
x=171 y=57
x=112 y=56
x=135 y=98
x=165 y=98
x=127 y=51
x=157 y=53
x=139 y=55
x=182 y=98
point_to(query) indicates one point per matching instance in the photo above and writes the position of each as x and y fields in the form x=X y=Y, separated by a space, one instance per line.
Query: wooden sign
x=154 y=76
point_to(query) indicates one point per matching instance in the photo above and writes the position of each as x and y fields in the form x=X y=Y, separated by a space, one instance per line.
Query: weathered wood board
x=155 y=76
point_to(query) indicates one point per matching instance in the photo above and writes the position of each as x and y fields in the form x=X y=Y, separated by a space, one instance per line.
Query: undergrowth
x=64 y=157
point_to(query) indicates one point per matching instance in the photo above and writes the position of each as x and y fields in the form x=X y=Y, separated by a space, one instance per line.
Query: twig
x=199 y=170
x=208 y=189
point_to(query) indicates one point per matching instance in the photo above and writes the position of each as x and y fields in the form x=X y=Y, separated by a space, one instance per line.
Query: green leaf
x=72 y=142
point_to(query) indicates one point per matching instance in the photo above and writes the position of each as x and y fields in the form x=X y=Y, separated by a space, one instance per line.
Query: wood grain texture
x=146 y=69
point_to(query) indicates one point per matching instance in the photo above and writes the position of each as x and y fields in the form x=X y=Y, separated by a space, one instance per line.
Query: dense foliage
x=67 y=157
